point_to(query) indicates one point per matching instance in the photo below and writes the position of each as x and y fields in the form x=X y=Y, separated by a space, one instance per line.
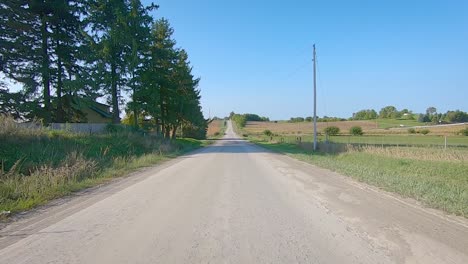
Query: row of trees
x=319 y=119
x=95 y=48
x=386 y=112
x=241 y=119
x=431 y=115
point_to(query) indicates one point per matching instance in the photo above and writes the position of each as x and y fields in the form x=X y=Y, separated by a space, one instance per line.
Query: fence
x=380 y=140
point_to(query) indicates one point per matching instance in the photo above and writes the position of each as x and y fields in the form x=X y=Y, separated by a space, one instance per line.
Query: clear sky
x=256 y=56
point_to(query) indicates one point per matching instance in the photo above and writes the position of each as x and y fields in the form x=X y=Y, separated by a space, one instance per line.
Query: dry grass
x=215 y=127
x=414 y=153
x=304 y=127
x=369 y=128
x=434 y=130
x=8 y=127
x=38 y=164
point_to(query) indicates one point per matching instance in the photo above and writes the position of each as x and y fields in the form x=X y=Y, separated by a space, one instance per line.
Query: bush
x=425 y=131
x=411 y=130
x=356 y=131
x=217 y=134
x=332 y=130
x=464 y=132
x=268 y=133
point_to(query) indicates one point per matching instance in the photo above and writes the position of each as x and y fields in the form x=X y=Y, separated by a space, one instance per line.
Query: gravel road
x=234 y=202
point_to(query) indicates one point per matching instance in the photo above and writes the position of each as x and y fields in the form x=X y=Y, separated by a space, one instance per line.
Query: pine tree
x=108 y=23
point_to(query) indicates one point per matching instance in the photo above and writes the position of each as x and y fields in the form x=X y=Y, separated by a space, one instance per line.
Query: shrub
x=411 y=130
x=425 y=131
x=332 y=130
x=356 y=131
x=268 y=133
x=217 y=134
x=464 y=132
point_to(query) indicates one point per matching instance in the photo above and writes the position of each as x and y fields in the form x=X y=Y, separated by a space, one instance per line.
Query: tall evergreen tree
x=139 y=28
x=66 y=39
x=108 y=23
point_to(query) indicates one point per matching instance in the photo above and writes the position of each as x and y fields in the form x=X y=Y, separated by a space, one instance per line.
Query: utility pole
x=315 y=103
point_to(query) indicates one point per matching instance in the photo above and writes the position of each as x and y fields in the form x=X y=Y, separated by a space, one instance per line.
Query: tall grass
x=414 y=153
x=38 y=164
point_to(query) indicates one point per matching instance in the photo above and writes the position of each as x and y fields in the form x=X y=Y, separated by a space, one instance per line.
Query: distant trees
x=255 y=117
x=330 y=119
x=450 y=116
x=389 y=112
x=366 y=114
x=431 y=111
x=97 y=48
x=241 y=119
x=296 y=119
x=456 y=116
x=319 y=119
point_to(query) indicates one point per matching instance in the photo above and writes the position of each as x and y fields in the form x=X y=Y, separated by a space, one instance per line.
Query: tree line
x=430 y=116
x=58 y=49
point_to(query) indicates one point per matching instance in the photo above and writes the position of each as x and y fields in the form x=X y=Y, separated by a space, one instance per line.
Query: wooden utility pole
x=315 y=103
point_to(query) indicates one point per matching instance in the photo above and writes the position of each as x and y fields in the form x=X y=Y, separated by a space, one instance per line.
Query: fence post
x=445 y=142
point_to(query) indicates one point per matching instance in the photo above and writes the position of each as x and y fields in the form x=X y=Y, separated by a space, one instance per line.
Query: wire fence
x=379 y=140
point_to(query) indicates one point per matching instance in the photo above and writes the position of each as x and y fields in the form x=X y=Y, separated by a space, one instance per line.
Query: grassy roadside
x=438 y=184
x=438 y=178
x=40 y=165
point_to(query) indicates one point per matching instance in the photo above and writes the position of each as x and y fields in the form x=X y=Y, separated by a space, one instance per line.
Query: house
x=96 y=112
x=88 y=110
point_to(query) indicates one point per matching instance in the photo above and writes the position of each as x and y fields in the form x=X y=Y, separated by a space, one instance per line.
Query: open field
x=389 y=123
x=303 y=127
x=369 y=127
x=289 y=132
x=216 y=128
x=38 y=165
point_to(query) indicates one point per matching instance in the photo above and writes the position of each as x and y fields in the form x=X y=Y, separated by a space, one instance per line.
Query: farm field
x=369 y=127
x=215 y=128
x=389 y=123
x=397 y=140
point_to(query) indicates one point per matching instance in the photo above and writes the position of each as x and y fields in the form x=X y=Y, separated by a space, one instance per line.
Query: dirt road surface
x=234 y=202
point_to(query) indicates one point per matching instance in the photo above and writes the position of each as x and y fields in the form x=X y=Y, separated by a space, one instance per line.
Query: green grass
x=37 y=166
x=438 y=184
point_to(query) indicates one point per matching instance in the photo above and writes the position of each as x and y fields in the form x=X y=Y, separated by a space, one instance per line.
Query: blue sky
x=256 y=56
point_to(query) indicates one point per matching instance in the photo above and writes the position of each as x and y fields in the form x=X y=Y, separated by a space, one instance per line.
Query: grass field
x=39 y=165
